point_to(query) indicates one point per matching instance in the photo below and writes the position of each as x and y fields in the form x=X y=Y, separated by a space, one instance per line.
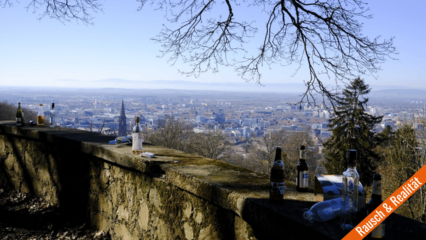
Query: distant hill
x=188 y=85
x=382 y=91
x=414 y=94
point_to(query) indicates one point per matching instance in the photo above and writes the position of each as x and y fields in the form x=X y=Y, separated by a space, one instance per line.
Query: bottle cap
x=137 y=119
x=40 y=104
x=276 y=147
x=53 y=105
x=302 y=147
x=352 y=156
x=377 y=176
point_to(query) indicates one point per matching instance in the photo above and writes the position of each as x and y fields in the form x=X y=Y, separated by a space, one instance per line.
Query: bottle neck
x=302 y=155
x=377 y=188
x=278 y=155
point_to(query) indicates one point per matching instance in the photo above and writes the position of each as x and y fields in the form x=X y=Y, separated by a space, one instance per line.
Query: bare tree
x=323 y=35
x=173 y=134
x=210 y=145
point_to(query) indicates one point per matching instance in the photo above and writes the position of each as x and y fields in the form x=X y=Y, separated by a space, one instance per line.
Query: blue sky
x=38 y=52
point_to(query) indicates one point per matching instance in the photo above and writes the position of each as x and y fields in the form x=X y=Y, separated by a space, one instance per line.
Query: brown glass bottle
x=375 y=201
x=19 y=116
x=276 y=192
x=302 y=177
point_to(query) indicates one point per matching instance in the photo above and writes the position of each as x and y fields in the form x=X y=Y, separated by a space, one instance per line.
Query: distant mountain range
x=215 y=86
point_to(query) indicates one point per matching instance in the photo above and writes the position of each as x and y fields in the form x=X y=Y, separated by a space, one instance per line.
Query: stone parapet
x=172 y=196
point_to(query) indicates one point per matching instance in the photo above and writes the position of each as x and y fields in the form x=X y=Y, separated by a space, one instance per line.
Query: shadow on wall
x=56 y=173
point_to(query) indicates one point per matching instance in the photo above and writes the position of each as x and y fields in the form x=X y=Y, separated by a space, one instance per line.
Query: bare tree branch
x=322 y=36
x=65 y=10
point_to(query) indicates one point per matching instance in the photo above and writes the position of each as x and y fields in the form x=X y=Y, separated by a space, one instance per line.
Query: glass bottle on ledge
x=302 y=172
x=19 y=117
x=52 y=116
x=137 y=138
x=350 y=184
x=375 y=201
x=40 y=116
x=277 y=187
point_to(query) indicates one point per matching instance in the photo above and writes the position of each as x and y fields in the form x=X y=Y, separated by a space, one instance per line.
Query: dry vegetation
x=403 y=156
x=257 y=154
x=8 y=112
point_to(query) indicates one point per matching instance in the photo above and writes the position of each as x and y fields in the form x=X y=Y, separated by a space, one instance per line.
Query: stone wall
x=172 y=196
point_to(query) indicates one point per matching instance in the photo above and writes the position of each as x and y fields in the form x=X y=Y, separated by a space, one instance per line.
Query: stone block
x=199 y=218
x=154 y=198
x=9 y=163
x=189 y=233
x=188 y=210
x=143 y=217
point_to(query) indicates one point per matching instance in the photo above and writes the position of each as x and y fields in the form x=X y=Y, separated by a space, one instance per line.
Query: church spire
x=122 y=128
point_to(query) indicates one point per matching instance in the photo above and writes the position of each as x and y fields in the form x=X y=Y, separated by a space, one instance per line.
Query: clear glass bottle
x=324 y=211
x=350 y=185
x=302 y=178
x=19 y=117
x=40 y=116
x=52 y=116
x=137 y=138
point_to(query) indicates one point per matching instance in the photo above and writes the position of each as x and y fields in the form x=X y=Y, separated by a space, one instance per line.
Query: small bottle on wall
x=19 y=116
x=52 y=116
x=40 y=116
x=277 y=186
x=302 y=178
x=137 y=137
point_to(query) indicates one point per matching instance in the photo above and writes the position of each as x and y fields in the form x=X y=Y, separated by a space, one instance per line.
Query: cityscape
x=241 y=116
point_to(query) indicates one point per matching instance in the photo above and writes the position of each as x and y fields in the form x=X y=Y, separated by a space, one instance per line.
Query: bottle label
x=377 y=187
x=277 y=188
x=379 y=231
x=137 y=141
x=303 y=179
x=302 y=154
x=18 y=122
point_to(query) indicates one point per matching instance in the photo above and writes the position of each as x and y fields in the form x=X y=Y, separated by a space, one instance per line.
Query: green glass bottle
x=19 y=116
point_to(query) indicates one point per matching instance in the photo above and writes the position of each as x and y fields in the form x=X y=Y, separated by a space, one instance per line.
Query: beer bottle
x=19 y=117
x=375 y=201
x=276 y=193
x=302 y=172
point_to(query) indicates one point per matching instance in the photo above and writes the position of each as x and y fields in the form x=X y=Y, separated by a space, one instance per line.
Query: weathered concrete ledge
x=172 y=196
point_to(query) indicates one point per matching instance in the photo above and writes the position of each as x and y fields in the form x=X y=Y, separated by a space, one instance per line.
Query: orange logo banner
x=388 y=206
